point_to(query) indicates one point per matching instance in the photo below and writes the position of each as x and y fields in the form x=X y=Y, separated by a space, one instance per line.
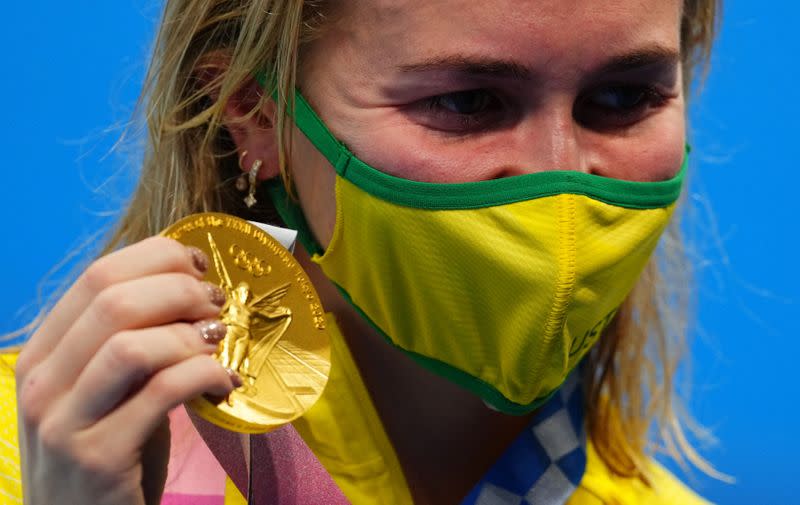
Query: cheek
x=652 y=154
x=412 y=152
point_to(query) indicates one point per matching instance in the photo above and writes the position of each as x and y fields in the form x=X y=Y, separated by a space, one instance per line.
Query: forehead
x=382 y=32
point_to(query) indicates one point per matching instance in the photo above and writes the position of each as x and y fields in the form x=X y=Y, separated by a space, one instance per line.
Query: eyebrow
x=491 y=67
x=470 y=65
x=651 y=55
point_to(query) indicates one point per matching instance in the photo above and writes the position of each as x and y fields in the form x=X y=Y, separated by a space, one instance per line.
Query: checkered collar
x=545 y=464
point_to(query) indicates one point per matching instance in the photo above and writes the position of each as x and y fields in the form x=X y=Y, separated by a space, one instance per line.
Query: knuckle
x=52 y=437
x=93 y=452
x=125 y=352
x=163 y=390
x=186 y=335
x=111 y=306
x=32 y=399
x=214 y=375
x=191 y=293
x=190 y=289
x=94 y=459
x=170 y=251
x=24 y=364
x=99 y=275
x=212 y=366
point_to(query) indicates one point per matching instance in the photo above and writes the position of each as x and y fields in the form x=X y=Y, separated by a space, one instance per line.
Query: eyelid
x=659 y=85
x=450 y=122
x=600 y=117
x=648 y=91
x=487 y=100
x=665 y=72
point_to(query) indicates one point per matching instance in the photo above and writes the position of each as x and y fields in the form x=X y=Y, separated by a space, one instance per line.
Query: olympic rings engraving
x=248 y=261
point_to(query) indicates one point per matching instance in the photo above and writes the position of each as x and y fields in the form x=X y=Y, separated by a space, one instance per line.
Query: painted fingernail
x=199 y=259
x=236 y=379
x=216 y=294
x=213 y=331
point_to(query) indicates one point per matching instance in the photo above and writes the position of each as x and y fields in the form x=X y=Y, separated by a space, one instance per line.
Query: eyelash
x=601 y=116
x=493 y=109
x=464 y=122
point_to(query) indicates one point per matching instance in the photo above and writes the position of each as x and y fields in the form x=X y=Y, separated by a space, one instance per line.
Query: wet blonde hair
x=206 y=50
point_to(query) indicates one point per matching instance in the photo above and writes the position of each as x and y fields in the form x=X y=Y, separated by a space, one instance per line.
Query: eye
x=620 y=98
x=617 y=106
x=466 y=103
x=462 y=112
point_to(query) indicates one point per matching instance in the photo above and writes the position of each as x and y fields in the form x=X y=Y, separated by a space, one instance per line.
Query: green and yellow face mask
x=501 y=286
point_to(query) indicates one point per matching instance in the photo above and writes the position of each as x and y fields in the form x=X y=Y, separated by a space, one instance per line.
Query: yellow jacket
x=366 y=467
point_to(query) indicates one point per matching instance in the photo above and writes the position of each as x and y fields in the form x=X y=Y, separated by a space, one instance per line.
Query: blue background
x=71 y=76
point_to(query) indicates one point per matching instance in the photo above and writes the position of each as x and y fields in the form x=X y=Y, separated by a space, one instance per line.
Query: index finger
x=154 y=255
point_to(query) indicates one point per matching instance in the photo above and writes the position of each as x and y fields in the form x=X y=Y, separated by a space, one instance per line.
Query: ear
x=253 y=133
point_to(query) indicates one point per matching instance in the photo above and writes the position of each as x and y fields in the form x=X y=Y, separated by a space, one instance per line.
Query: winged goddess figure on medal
x=255 y=324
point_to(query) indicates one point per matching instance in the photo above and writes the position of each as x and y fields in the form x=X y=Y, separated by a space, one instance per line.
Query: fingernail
x=199 y=259
x=236 y=379
x=216 y=294
x=213 y=331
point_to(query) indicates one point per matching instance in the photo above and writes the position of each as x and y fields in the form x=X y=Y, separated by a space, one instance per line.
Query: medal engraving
x=276 y=339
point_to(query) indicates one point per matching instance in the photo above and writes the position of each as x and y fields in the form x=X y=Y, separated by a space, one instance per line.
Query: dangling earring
x=248 y=181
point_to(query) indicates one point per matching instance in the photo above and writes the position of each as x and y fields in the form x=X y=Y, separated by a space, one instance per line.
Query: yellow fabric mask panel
x=505 y=298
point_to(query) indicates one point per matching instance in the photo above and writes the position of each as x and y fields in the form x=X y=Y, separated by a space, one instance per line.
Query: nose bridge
x=564 y=147
x=550 y=140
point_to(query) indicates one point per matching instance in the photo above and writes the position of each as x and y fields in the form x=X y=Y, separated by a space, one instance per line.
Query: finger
x=128 y=359
x=151 y=256
x=131 y=424
x=149 y=301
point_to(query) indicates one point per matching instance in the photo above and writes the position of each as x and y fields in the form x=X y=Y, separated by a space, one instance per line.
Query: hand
x=130 y=340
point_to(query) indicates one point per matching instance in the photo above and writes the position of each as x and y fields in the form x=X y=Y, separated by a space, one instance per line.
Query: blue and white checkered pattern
x=545 y=464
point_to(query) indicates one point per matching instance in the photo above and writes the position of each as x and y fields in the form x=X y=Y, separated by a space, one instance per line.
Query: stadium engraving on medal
x=276 y=340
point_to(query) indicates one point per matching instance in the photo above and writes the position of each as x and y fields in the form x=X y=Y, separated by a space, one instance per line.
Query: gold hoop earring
x=241 y=181
x=248 y=181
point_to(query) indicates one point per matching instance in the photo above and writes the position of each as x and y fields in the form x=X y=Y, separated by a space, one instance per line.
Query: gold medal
x=276 y=339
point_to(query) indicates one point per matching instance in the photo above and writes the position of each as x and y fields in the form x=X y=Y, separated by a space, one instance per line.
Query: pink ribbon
x=285 y=471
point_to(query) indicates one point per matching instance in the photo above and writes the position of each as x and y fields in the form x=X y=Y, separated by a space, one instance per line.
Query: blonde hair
x=629 y=377
x=206 y=50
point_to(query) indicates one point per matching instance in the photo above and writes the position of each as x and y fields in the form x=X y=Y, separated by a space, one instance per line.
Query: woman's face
x=460 y=90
